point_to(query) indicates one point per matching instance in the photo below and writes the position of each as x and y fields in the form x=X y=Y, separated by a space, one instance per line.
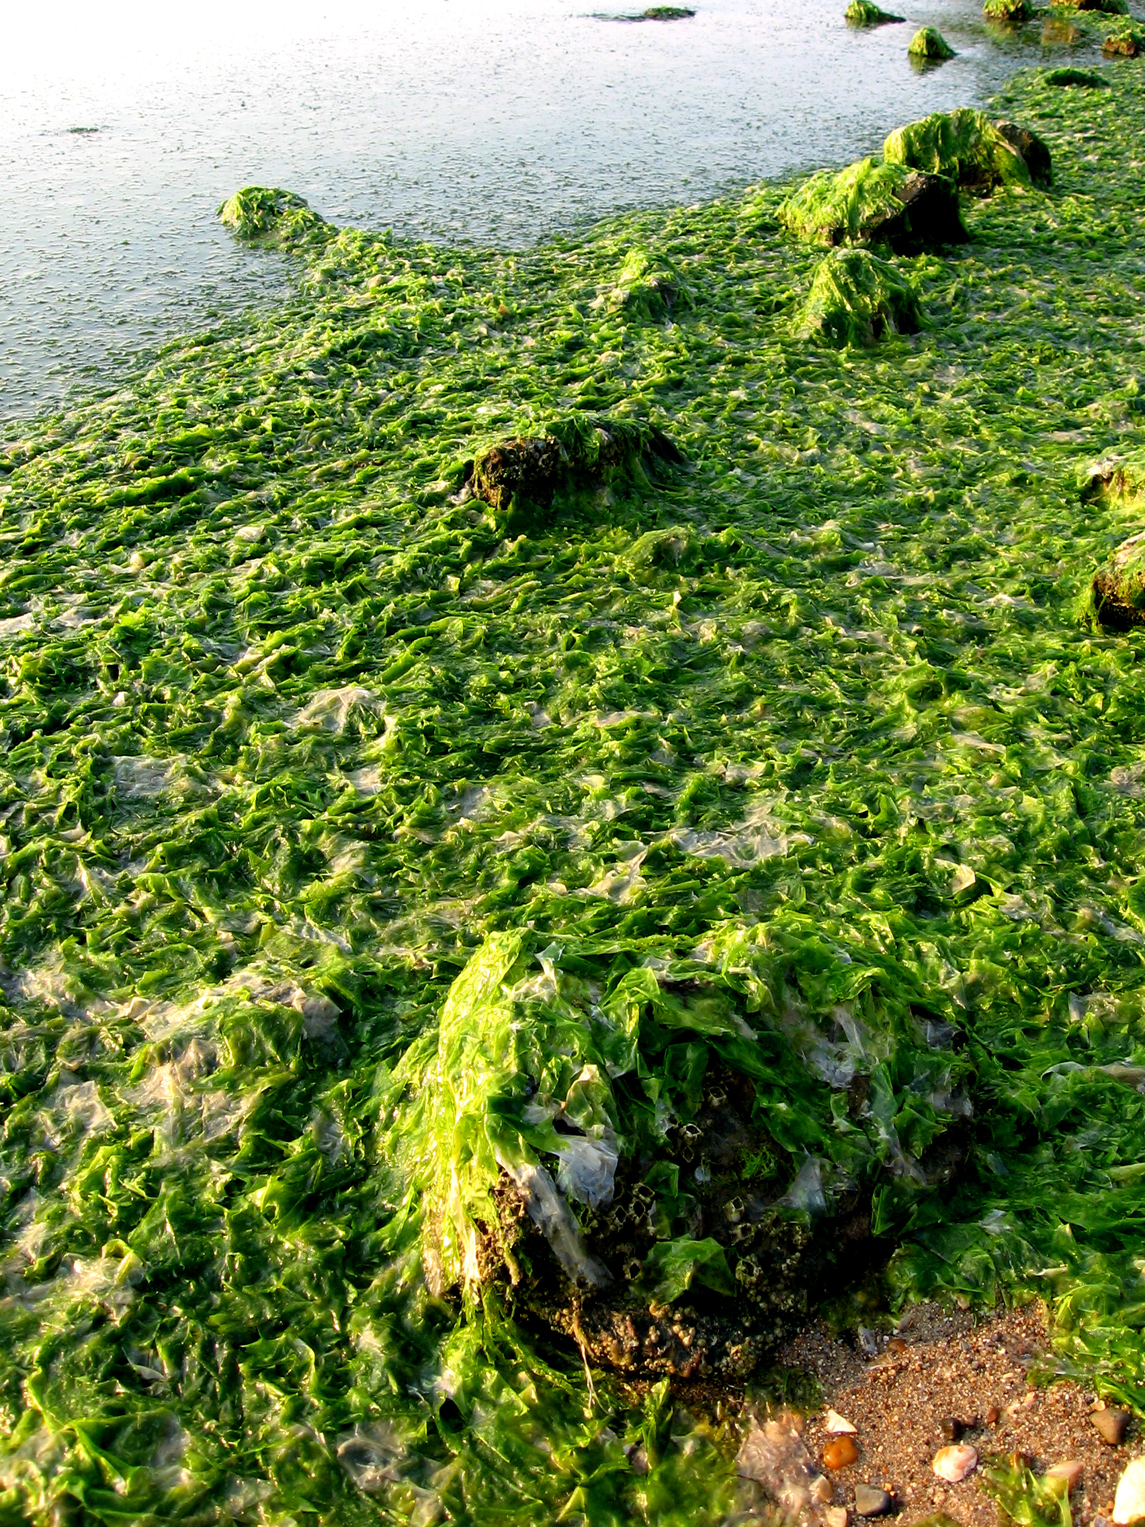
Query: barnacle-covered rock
x=966 y=147
x=856 y=298
x=869 y=203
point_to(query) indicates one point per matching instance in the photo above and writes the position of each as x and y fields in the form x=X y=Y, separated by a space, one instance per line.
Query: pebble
x=836 y=1516
x=1069 y=1470
x=1112 y=1425
x=993 y=1416
x=871 y=1501
x=821 y=1489
x=951 y=1429
x=838 y=1425
x=1129 y=1502
x=955 y=1463
x=838 y=1454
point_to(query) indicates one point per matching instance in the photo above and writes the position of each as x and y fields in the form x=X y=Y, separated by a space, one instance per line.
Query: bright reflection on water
x=122 y=126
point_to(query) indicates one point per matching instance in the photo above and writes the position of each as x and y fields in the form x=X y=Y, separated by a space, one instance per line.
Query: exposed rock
x=1126 y=42
x=1069 y=1470
x=1080 y=79
x=1129 y=1502
x=863 y=13
x=870 y=203
x=955 y=1463
x=1033 y=150
x=838 y=1425
x=529 y=471
x=929 y=45
x=969 y=149
x=856 y=298
x=871 y=1501
x=840 y=1454
x=1113 y=1424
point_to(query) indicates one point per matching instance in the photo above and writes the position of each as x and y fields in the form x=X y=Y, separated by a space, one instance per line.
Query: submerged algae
x=345 y=833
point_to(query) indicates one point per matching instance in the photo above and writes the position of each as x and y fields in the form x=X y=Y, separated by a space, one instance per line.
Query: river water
x=123 y=125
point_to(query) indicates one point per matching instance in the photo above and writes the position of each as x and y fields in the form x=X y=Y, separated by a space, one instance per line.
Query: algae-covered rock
x=526 y=473
x=1128 y=41
x=856 y=298
x=266 y=215
x=1010 y=12
x=1119 y=588
x=870 y=203
x=652 y=13
x=965 y=146
x=864 y=13
x=929 y=45
x=1079 y=79
x=1117 y=479
x=1102 y=7
x=624 y=1148
x=649 y=286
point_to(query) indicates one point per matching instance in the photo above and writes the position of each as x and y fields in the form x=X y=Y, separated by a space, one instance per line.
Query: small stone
x=821 y=1490
x=1112 y=1424
x=838 y=1425
x=1069 y=1470
x=954 y=1463
x=1129 y=1502
x=840 y=1453
x=836 y=1516
x=951 y=1429
x=993 y=1416
x=871 y=1501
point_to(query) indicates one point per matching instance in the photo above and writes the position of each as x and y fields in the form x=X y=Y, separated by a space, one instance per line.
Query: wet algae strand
x=546 y=828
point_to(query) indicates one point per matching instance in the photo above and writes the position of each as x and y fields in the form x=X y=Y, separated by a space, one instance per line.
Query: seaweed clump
x=856 y=298
x=522 y=476
x=267 y=216
x=1080 y=79
x=1119 y=588
x=870 y=203
x=929 y=46
x=969 y=149
x=864 y=13
x=649 y=286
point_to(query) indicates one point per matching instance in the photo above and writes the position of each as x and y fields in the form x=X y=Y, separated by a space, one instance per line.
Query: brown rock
x=951 y=1429
x=840 y=1453
x=993 y=1416
x=871 y=1501
x=1112 y=1424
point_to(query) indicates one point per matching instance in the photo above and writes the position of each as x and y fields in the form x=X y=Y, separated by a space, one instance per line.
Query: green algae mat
x=551 y=819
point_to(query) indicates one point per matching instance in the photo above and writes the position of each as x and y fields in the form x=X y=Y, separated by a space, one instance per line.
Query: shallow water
x=494 y=121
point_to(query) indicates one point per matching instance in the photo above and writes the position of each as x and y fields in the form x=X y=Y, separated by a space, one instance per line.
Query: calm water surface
x=122 y=128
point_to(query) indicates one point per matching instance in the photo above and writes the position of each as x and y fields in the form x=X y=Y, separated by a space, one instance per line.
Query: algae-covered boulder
x=1119 y=588
x=856 y=298
x=864 y=13
x=969 y=149
x=526 y=473
x=1034 y=151
x=668 y=1161
x=649 y=286
x=870 y=203
x=1009 y=12
x=1115 y=479
x=1128 y=41
x=1102 y=7
x=1076 y=79
x=929 y=46
x=266 y=215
